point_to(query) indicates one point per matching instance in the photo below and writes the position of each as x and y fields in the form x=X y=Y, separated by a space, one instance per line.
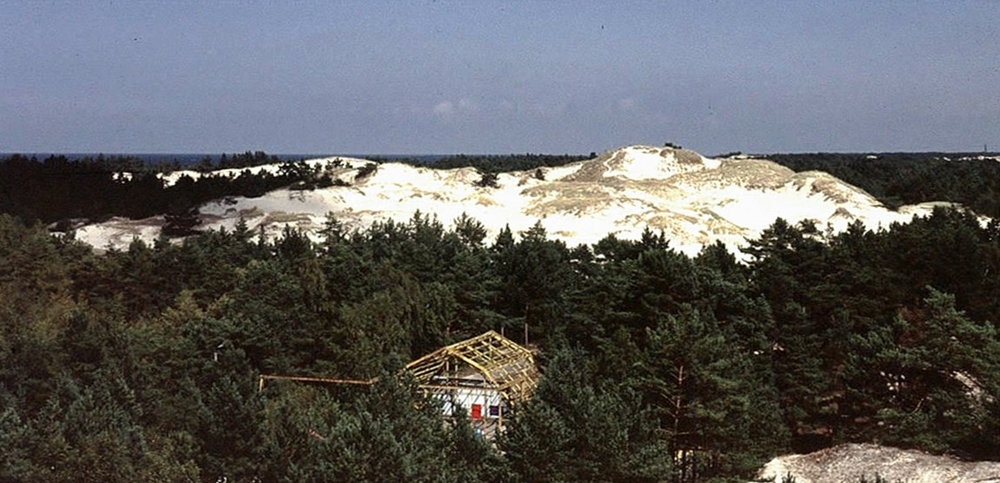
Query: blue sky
x=498 y=77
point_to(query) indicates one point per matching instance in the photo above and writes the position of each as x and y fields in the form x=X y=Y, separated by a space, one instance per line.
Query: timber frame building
x=479 y=377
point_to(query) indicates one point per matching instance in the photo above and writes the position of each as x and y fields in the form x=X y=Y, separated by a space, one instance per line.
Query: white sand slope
x=694 y=200
x=850 y=462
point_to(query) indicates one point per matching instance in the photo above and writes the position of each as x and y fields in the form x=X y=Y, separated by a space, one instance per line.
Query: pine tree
x=707 y=396
x=574 y=430
x=935 y=373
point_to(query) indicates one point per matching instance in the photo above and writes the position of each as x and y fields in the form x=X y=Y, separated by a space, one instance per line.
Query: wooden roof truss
x=505 y=366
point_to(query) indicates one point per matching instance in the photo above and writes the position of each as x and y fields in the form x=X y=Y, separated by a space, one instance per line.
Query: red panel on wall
x=477 y=411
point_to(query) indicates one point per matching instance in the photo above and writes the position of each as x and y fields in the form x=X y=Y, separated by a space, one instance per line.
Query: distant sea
x=187 y=159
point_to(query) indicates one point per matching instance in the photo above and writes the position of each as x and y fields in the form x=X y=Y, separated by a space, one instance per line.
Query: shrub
x=489 y=180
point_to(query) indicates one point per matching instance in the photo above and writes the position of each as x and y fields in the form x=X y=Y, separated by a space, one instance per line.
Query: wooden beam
x=324 y=380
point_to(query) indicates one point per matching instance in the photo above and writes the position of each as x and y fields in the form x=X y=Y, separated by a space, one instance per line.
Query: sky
x=483 y=77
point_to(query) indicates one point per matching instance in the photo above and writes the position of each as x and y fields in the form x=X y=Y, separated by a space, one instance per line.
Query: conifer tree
x=707 y=397
x=574 y=430
x=936 y=373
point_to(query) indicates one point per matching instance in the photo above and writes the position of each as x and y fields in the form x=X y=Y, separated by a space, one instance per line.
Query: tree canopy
x=141 y=363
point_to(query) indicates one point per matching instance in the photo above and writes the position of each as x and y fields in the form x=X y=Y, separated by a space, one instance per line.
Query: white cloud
x=444 y=109
x=447 y=109
x=466 y=105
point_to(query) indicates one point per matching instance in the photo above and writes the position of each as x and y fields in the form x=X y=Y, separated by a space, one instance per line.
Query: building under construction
x=478 y=378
